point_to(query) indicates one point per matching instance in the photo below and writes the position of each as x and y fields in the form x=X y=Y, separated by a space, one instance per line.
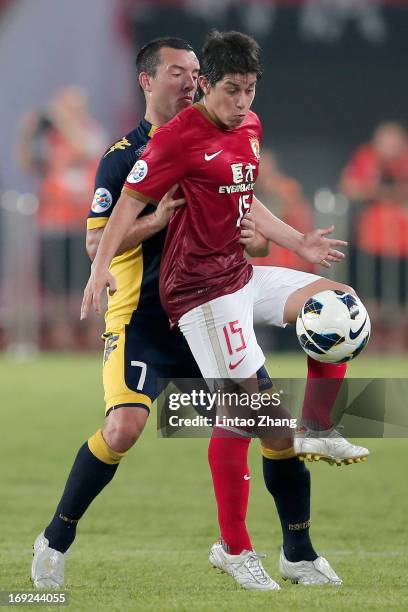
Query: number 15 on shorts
x=235 y=341
x=234 y=336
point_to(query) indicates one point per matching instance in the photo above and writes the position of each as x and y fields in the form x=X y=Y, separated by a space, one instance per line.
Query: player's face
x=175 y=83
x=230 y=99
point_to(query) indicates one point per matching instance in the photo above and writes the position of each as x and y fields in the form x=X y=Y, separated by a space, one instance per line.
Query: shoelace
x=254 y=564
x=334 y=433
x=339 y=439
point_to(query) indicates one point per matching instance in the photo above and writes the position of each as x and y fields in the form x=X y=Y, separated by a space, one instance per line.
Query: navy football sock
x=288 y=481
x=88 y=476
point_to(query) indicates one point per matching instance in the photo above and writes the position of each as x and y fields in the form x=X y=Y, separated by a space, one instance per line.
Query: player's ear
x=145 y=81
x=204 y=84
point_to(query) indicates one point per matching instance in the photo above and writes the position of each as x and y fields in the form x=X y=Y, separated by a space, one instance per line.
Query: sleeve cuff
x=96 y=222
x=139 y=196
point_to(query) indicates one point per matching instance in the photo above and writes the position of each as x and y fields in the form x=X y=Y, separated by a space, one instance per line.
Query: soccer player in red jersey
x=208 y=287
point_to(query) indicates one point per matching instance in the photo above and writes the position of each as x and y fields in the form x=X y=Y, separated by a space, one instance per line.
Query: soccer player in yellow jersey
x=140 y=349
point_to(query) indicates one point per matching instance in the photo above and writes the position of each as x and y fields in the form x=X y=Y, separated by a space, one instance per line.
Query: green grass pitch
x=143 y=545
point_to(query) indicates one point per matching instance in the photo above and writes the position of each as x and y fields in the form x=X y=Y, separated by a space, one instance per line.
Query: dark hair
x=229 y=53
x=148 y=57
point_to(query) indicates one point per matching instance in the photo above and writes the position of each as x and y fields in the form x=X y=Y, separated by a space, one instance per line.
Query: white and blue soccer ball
x=333 y=326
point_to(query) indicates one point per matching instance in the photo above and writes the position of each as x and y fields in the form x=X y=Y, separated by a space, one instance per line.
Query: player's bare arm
x=123 y=215
x=256 y=245
x=313 y=246
x=142 y=229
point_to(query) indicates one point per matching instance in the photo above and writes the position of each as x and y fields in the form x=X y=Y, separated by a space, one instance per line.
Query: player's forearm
x=141 y=230
x=116 y=230
x=258 y=247
x=275 y=229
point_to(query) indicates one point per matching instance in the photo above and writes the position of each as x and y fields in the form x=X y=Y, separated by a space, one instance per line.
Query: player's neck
x=155 y=118
x=211 y=116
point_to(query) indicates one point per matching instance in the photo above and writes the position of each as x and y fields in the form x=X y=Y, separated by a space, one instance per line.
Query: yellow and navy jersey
x=137 y=270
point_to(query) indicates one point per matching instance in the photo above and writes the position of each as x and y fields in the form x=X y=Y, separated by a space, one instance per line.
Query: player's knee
x=346 y=288
x=123 y=428
x=120 y=437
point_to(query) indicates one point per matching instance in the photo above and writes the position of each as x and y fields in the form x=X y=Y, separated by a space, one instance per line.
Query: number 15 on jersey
x=244 y=206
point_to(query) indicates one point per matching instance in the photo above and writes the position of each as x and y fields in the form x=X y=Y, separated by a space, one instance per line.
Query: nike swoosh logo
x=232 y=366
x=247 y=477
x=354 y=335
x=210 y=157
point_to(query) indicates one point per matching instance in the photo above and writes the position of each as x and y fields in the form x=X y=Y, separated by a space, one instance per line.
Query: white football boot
x=47 y=569
x=246 y=568
x=318 y=571
x=329 y=446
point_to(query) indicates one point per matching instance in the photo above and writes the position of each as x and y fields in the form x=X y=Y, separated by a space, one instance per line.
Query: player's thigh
x=299 y=296
x=279 y=293
x=221 y=337
x=130 y=376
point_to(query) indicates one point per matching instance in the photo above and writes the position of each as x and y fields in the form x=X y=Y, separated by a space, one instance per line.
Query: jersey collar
x=148 y=128
x=203 y=110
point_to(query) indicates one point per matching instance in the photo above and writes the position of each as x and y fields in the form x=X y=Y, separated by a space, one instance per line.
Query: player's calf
x=288 y=481
x=93 y=468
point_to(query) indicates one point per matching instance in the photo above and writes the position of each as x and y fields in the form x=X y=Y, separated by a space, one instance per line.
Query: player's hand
x=317 y=248
x=247 y=228
x=255 y=244
x=92 y=294
x=166 y=207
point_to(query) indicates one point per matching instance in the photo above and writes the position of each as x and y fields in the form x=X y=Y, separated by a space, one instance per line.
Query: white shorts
x=271 y=288
x=220 y=333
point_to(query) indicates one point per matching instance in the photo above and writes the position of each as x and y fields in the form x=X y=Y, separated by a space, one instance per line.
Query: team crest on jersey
x=254 y=142
x=138 y=172
x=102 y=200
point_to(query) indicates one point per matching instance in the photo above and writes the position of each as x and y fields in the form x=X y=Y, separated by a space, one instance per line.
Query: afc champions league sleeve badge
x=256 y=149
x=102 y=200
x=138 y=172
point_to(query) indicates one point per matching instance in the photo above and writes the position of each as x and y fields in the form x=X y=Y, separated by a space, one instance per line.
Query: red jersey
x=216 y=169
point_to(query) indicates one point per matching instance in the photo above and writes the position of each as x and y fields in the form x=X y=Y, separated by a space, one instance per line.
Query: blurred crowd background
x=334 y=106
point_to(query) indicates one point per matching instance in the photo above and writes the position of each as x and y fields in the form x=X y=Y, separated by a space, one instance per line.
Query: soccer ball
x=333 y=326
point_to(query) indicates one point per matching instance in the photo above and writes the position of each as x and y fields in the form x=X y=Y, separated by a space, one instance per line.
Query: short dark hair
x=229 y=53
x=148 y=57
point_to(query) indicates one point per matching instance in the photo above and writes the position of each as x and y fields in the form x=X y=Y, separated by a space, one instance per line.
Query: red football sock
x=228 y=459
x=320 y=396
